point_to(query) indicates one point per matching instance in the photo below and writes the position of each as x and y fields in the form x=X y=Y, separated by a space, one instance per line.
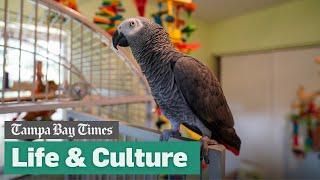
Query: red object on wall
x=141 y=4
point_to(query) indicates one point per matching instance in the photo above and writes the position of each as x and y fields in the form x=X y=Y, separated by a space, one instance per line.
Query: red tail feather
x=232 y=149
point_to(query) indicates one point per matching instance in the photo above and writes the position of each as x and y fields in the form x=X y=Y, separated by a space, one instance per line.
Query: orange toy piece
x=108 y=11
x=111 y=30
x=190 y=7
x=187 y=47
x=98 y=19
x=69 y=3
x=180 y=22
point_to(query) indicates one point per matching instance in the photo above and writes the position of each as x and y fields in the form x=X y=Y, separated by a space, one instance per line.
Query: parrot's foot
x=205 y=143
x=167 y=133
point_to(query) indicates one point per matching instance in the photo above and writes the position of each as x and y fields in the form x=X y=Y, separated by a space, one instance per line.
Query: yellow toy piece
x=183 y=130
x=189 y=133
x=117 y=22
x=175 y=35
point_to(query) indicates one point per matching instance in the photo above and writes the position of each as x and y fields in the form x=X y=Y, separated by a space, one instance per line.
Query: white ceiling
x=213 y=10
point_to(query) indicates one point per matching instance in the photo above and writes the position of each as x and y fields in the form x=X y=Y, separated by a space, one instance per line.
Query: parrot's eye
x=132 y=24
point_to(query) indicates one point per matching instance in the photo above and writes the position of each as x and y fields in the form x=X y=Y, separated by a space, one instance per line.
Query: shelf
x=88 y=102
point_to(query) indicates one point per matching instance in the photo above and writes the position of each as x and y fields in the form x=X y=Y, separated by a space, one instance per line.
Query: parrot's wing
x=202 y=92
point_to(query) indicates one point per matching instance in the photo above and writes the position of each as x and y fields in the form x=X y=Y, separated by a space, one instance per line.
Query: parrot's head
x=136 y=32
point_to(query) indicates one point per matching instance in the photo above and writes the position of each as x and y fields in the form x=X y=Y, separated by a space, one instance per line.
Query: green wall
x=295 y=23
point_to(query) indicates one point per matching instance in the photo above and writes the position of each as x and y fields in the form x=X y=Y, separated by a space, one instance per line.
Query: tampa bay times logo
x=62 y=130
x=91 y=157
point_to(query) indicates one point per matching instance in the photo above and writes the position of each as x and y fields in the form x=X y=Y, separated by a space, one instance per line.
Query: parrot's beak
x=119 y=39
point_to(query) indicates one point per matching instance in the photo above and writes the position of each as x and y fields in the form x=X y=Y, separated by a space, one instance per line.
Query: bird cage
x=52 y=57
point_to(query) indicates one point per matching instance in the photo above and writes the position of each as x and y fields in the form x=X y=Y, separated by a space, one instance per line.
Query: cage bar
x=34 y=51
x=5 y=36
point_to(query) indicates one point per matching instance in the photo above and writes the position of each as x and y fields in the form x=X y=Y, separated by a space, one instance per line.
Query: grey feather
x=203 y=92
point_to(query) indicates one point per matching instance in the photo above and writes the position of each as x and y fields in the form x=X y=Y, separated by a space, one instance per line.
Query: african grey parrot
x=184 y=88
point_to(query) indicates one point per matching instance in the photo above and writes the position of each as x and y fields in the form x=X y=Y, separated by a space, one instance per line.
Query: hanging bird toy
x=305 y=123
x=178 y=28
x=108 y=16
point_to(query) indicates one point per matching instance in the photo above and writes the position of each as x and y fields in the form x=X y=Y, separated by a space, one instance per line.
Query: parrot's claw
x=167 y=133
x=205 y=143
